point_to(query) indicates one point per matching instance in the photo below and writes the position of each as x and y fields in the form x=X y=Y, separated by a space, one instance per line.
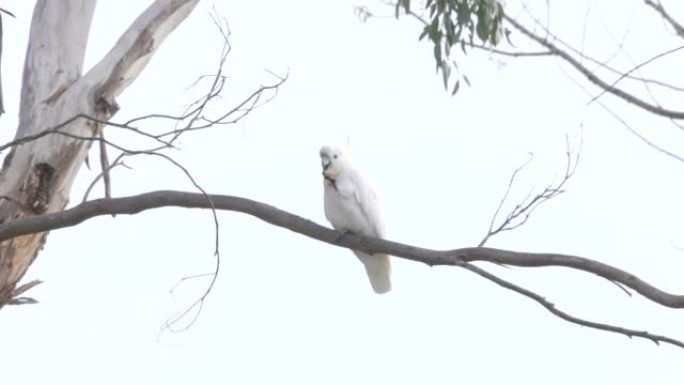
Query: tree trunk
x=36 y=177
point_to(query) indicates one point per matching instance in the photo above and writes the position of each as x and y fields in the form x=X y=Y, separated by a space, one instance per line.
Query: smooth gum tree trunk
x=36 y=177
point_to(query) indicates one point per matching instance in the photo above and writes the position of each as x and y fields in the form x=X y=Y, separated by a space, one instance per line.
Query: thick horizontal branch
x=277 y=217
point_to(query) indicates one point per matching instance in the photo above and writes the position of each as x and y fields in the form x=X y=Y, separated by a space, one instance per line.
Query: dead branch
x=635 y=68
x=457 y=257
x=508 y=53
x=631 y=129
x=104 y=164
x=603 y=64
x=657 y=339
x=522 y=211
x=679 y=28
x=593 y=78
x=118 y=161
x=57 y=130
x=505 y=225
x=641 y=137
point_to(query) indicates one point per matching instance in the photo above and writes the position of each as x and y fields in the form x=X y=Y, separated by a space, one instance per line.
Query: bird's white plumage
x=351 y=204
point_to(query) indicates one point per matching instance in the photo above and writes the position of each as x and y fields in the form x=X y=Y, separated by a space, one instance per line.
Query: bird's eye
x=335 y=156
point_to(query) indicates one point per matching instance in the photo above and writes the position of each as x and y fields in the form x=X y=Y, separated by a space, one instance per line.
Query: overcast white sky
x=287 y=309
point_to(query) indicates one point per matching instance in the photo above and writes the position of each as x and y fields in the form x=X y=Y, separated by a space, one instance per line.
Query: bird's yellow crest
x=346 y=150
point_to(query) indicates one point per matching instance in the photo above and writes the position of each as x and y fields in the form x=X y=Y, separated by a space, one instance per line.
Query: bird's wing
x=367 y=199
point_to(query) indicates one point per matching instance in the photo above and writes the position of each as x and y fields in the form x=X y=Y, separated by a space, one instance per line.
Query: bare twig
x=104 y=164
x=509 y=53
x=57 y=130
x=640 y=136
x=593 y=78
x=632 y=130
x=501 y=228
x=117 y=162
x=548 y=305
x=635 y=68
x=601 y=63
x=198 y=303
x=522 y=211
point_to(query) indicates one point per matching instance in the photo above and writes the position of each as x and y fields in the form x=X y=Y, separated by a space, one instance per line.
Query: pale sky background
x=288 y=309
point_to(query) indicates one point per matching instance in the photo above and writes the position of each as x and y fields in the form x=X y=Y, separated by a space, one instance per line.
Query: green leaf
x=433 y=31
x=456 y=87
x=438 y=55
x=507 y=33
x=449 y=29
x=423 y=34
x=463 y=13
x=406 y=4
x=446 y=71
x=483 y=28
x=495 y=36
x=441 y=5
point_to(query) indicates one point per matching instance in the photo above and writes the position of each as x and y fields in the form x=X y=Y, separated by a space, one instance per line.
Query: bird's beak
x=325 y=163
x=328 y=172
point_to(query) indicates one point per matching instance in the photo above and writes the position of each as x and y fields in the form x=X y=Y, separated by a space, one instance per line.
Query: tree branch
x=157 y=199
x=509 y=53
x=679 y=29
x=548 y=305
x=457 y=257
x=592 y=77
x=129 y=56
x=635 y=68
x=522 y=211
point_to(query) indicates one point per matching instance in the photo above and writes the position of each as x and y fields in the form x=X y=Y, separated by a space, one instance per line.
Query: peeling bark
x=37 y=176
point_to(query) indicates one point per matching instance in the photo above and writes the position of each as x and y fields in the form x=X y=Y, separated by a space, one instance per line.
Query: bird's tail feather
x=378 y=269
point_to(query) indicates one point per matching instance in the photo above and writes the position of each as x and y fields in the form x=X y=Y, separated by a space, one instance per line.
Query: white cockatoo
x=351 y=204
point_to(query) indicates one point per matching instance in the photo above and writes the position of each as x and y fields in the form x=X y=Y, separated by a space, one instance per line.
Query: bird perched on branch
x=351 y=205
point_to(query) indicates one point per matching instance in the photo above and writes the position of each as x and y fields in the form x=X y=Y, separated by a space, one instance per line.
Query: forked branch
x=458 y=257
x=522 y=211
x=591 y=76
x=678 y=27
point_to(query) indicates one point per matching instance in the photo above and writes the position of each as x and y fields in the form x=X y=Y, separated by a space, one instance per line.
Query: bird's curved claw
x=342 y=235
